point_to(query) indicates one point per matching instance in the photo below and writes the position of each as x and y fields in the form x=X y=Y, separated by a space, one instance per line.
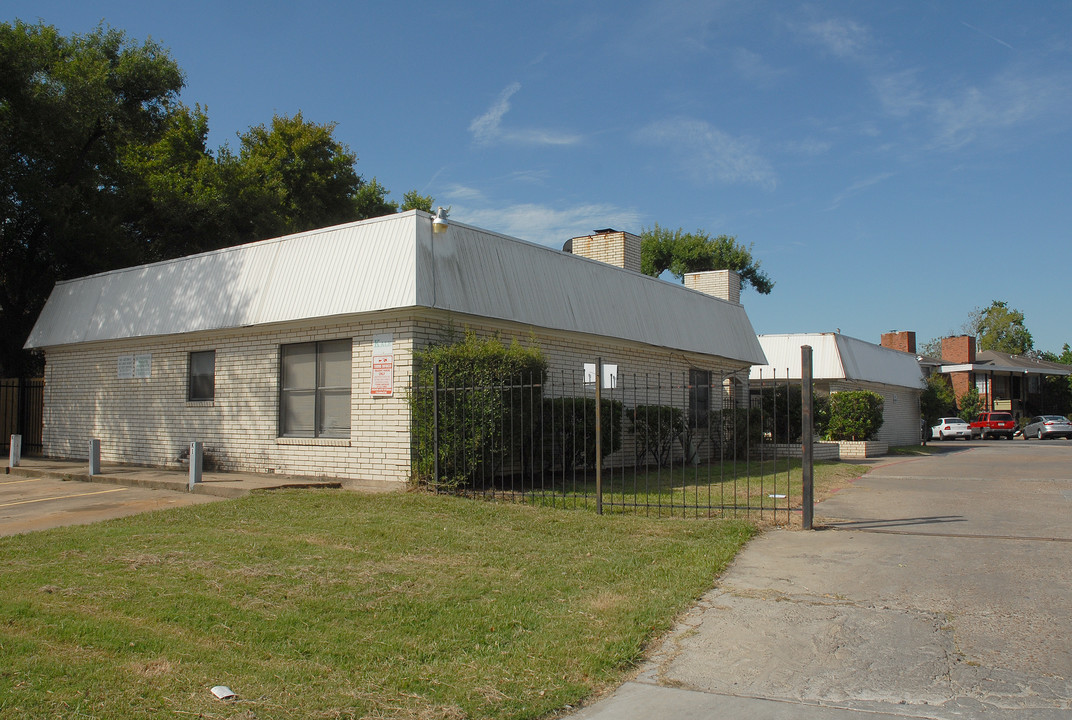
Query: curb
x=202 y=488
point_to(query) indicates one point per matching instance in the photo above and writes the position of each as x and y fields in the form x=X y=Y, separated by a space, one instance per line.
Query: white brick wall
x=900 y=413
x=149 y=421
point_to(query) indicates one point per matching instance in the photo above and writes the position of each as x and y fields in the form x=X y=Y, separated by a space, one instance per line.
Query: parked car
x=951 y=428
x=1048 y=426
x=987 y=425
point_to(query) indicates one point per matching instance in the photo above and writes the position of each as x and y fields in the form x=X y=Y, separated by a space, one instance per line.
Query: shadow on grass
x=769 y=490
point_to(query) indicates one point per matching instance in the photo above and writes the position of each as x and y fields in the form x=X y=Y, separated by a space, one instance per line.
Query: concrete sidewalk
x=221 y=484
x=940 y=588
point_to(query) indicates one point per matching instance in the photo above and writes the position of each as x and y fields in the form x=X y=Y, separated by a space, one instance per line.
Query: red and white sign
x=383 y=365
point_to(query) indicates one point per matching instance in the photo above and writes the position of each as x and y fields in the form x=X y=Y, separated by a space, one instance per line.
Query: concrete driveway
x=37 y=503
x=942 y=588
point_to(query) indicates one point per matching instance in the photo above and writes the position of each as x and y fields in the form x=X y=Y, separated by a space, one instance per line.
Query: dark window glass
x=699 y=398
x=314 y=390
x=201 y=378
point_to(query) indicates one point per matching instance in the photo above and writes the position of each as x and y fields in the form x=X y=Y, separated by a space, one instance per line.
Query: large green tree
x=298 y=176
x=937 y=398
x=69 y=109
x=680 y=252
x=1002 y=329
x=102 y=167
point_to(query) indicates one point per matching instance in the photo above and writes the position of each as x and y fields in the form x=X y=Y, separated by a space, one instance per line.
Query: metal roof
x=387 y=263
x=837 y=357
x=360 y=267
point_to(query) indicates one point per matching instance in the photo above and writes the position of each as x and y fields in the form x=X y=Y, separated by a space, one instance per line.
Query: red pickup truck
x=993 y=424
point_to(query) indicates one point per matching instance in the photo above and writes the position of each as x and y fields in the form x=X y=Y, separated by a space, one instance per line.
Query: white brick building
x=841 y=363
x=266 y=352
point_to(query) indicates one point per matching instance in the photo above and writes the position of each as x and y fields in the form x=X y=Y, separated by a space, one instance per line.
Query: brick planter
x=858 y=450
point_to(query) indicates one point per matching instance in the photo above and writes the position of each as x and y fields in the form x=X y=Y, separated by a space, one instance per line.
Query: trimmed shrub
x=569 y=431
x=741 y=431
x=489 y=400
x=656 y=429
x=855 y=415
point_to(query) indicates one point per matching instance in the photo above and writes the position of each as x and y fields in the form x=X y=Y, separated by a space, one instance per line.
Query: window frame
x=191 y=377
x=319 y=390
x=699 y=398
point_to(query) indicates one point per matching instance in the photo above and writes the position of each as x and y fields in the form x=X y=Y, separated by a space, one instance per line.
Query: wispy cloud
x=900 y=93
x=488 y=128
x=807 y=147
x=858 y=187
x=463 y=193
x=958 y=116
x=841 y=37
x=999 y=41
x=752 y=67
x=547 y=225
x=1008 y=102
x=710 y=154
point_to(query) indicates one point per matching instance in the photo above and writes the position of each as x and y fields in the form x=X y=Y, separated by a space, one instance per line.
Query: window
x=699 y=398
x=314 y=393
x=201 y=376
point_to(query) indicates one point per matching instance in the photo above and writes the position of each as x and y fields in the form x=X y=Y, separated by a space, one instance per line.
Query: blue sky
x=894 y=164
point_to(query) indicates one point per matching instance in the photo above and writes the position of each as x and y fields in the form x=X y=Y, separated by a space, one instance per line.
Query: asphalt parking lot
x=39 y=503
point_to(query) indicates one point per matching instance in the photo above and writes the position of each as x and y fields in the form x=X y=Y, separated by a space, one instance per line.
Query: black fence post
x=807 y=463
x=435 y=426
x=599 y=437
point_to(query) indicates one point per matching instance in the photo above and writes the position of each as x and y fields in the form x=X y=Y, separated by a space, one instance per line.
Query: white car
x=951 y=428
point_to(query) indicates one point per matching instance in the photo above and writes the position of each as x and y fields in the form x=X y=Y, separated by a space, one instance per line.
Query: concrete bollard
x=196 y=457
x=15 y=455
x=94 y=457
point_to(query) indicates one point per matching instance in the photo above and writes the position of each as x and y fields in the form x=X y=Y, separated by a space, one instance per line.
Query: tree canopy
x=70 y=108
x=996 y=327
x=1002 y=329
x=101 y=166
x=680 y=252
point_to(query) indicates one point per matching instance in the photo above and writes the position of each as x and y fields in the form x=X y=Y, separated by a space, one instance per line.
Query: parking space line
x=61 y=497
x=16 y=482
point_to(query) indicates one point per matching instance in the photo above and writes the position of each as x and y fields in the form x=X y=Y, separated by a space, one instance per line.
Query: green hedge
x=569 y=431
x=855 y=415
x=490 y=396
x=656 y=429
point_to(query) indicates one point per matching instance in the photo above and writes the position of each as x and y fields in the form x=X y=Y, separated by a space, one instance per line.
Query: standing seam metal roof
x=837 y=357
x=388 y=263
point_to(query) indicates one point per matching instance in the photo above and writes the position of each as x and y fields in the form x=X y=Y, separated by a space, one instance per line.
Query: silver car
x=1048 y=426
x=951 y=428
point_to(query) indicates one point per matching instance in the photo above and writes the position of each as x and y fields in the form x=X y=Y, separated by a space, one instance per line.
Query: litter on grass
x=223 y=692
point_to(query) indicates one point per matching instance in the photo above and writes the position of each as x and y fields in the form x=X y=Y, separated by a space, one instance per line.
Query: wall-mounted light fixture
x=439 y=223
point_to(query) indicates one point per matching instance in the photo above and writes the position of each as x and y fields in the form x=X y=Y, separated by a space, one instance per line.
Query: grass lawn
x=327 y=604
x=768 y=491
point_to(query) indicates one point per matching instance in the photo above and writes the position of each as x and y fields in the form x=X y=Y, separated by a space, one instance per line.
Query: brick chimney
x=903 y=340
x=610 y=246
x=724 y=284
x=959 y=350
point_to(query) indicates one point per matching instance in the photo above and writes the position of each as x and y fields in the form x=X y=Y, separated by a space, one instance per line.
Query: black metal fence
x=22 y=406
x=690 y=444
